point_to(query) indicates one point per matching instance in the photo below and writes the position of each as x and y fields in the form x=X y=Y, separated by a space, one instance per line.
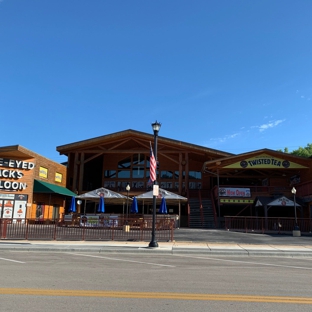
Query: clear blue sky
x=233 y=75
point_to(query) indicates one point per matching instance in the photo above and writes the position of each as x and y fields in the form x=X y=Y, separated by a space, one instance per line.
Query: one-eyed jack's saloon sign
x=265 y=161
x=11 y=170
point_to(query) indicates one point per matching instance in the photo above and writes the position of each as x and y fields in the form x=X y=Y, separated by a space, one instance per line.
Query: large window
x=166 y=175
x=123 y=174
x=110 y=174
x=138 y=159
x=125 y=163
x=136 y=171
x=196 y=175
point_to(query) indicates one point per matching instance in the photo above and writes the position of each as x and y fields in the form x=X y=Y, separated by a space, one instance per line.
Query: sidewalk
x=206 y=249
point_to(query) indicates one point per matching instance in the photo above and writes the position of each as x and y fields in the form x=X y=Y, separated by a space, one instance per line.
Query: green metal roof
x=44 y=187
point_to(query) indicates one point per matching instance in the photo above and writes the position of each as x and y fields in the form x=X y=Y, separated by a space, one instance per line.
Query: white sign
x=19 y=209
x=155 y=190
x=7 y=209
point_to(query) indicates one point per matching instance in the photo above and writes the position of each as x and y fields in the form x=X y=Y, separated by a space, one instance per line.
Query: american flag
x=153 y=166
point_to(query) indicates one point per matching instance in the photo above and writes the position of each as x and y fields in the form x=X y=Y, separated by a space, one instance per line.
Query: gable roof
x=118 y=136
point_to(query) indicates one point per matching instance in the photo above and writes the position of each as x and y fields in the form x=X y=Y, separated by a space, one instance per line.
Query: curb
x=170 y=250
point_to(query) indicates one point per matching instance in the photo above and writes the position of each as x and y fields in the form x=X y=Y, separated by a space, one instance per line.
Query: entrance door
x=55 y=212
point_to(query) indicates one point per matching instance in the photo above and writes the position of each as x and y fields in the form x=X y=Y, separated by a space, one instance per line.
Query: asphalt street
x=92 y=281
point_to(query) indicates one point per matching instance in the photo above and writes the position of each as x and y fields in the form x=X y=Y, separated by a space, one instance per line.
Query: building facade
x=31 y=186
x=196 y=172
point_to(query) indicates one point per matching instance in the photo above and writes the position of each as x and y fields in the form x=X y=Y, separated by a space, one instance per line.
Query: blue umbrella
x=72 y=207
x=163 y=206
x=134 y=206
x=101 y=207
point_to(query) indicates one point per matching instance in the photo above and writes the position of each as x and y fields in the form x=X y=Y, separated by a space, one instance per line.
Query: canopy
x=48 y=188
x=273 y=201
x=109 y=196
x=162 y=193
x=169 y=196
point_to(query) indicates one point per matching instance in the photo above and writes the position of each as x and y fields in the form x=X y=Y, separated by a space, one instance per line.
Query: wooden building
x=193 y=171
x=31 y=186
x=264 y=173
x=120 y=158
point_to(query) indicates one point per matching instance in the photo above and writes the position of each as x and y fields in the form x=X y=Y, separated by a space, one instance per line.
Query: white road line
x=248 y=262
x=11 y=260
x=116 y=259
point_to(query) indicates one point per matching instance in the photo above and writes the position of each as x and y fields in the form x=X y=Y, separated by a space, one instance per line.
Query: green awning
x=44 y=187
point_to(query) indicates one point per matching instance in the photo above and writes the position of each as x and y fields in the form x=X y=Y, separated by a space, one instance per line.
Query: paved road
x=92 y=281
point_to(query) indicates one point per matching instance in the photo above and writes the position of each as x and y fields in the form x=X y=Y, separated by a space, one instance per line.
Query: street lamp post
x=79 y=203
x=296 y=231
x=156 y=126
x=127 y=189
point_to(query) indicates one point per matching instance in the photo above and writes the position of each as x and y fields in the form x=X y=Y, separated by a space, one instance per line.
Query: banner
x=265 y=161
x=234 y=192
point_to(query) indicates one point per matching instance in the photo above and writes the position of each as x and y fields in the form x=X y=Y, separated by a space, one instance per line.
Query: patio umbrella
x=163 y=206
x=134 y=206
x=101 y=207
x=72 y=207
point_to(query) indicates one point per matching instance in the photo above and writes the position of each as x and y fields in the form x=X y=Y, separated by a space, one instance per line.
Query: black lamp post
x=127 y=189
x=296 y=227
x=156 y=126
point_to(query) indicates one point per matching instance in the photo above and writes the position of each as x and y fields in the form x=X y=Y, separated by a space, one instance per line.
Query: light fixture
x=156 y=126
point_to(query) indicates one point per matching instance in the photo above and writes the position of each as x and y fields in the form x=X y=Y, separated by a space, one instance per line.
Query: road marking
x=116 y=259
x=152 y=295
x=247 y=262
x=11 y=260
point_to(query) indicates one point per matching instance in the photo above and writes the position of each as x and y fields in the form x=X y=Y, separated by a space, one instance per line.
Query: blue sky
x=233 y=75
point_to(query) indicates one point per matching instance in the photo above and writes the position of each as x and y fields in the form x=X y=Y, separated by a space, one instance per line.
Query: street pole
x=128 y=189
x=296 y=231
x=153 y=243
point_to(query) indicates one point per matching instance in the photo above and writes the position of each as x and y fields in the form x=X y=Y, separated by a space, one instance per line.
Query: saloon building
x=216 y=183
x=31 y=186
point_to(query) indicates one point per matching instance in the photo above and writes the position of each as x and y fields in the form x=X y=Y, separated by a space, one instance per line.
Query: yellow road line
x=151 y=295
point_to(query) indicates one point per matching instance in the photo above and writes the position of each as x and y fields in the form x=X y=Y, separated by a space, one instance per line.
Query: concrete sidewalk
x=207 y=249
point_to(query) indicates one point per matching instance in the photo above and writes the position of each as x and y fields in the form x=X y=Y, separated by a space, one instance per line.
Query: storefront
x=196 y=172
x=31 y=186
x=243 y=178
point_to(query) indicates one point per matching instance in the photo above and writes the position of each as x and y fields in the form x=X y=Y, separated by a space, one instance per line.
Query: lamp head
x=293 y=190
x=156 y=126
x=79 y=202
x=128 y=187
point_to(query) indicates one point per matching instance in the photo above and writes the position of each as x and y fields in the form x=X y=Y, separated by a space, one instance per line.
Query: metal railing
x=119 y=229
x=267 y=225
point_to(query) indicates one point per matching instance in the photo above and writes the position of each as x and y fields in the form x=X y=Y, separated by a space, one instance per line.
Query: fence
x=267 y=225
x=122 y=229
